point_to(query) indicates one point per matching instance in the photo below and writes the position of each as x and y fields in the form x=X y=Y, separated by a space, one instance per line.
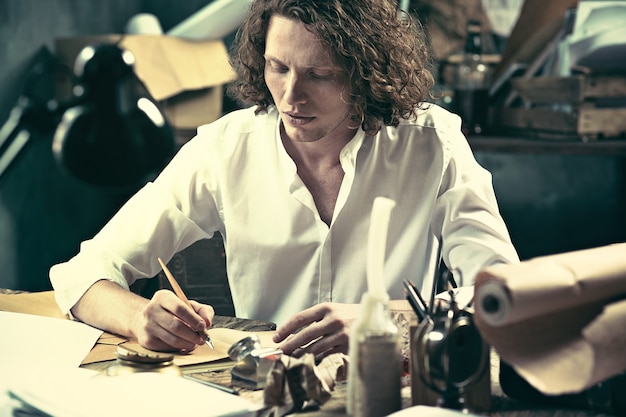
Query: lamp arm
x=13 y=135
x=27 y=115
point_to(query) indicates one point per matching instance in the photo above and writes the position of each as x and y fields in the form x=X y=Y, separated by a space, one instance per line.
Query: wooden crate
x=584 y=107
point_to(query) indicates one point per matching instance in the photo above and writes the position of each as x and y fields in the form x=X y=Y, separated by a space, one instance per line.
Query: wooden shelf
x=532 y=145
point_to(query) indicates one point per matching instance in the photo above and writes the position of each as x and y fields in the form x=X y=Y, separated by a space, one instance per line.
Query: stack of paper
x=141 y=394
x=598 y=41
x=35 y=345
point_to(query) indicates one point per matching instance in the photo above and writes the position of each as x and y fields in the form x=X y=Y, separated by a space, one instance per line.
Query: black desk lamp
x=109 y=134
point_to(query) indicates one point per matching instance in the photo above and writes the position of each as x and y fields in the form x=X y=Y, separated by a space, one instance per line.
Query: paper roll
x=494 y=302
x=144 y=24
x=507 y=294
x=214 y=21
x=558 y=319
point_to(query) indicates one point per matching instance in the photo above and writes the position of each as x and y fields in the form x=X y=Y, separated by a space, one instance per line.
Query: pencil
x=179 y=292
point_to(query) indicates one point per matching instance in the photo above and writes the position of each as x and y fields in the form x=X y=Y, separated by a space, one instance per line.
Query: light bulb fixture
x=110 y=133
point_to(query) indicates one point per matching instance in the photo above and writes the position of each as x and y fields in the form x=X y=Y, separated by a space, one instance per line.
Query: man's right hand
x=167 y=323
x=164 y=323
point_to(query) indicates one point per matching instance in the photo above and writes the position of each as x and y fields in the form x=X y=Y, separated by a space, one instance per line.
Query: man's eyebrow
x=326 y=66
x=271 y=58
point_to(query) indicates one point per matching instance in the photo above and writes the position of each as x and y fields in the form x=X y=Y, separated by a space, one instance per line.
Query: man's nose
x=295 y=90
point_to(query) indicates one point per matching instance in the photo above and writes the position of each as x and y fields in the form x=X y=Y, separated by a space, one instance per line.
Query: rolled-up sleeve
x=158 y=221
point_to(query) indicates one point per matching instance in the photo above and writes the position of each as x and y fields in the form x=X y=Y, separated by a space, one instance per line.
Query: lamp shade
x=114 y=134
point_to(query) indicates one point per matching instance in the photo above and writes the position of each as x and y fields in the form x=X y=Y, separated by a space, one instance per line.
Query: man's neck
x=319 y=167
x=320 y=154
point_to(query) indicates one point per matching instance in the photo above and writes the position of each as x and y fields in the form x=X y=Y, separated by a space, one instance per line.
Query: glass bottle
x=375 y=371
x=471 y=84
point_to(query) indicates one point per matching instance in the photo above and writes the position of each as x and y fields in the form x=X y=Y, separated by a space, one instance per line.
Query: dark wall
x=44 y=215
x=555 y=202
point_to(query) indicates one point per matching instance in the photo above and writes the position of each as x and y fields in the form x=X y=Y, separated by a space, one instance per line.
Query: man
x=338 y=118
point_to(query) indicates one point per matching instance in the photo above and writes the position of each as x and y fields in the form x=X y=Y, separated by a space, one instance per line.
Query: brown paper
x=105 y=349
x=37 y=303
x=295 y=383
x=167 y=65
x=559 y=319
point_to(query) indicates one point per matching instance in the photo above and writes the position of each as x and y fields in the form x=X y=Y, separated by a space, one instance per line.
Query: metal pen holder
x=448 y=354
x=252 y=362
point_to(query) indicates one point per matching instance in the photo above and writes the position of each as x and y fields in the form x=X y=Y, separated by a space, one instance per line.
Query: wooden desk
x=502 y=406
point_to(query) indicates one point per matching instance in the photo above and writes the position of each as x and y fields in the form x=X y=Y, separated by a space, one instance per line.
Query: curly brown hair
x=384 y=53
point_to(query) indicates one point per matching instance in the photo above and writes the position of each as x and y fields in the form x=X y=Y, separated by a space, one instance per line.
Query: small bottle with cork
x=471 y=84
x=374 y=377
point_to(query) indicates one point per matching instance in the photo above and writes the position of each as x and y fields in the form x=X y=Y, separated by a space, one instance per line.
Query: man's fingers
x=299 y=322
x=162 y=339
x=321 y=330
x=298 y=341
x=332 y=342
x=177 y=307
x=205 y=311
x=170 y=321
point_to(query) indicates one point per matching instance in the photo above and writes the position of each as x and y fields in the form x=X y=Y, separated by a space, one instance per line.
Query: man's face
x=308 y=88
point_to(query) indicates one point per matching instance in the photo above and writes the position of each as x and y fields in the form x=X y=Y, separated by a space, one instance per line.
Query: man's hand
x=163 y=323
x=321 y=330
x=166 y=323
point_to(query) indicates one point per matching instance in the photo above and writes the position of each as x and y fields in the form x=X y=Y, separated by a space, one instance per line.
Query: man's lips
x=297 y=119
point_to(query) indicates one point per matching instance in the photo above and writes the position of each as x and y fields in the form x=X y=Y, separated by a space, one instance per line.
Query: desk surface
x=501 y=405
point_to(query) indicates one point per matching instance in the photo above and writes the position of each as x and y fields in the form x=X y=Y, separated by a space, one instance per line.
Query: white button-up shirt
x=235 y=177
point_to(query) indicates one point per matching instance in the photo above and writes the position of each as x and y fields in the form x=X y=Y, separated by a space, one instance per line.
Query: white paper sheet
x=133 y=395
x=30 y=342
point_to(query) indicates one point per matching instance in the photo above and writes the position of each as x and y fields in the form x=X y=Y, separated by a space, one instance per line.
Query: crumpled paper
x=296 y=384
x=558 y=319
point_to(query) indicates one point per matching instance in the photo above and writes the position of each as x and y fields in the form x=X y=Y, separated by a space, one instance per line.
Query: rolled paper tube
x=494 y=302
x=506 y=294
x=558 y=320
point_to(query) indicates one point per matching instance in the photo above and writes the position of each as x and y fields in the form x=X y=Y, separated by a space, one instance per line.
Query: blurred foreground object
x=557 y=320
x=449 y=357
x=300 y=384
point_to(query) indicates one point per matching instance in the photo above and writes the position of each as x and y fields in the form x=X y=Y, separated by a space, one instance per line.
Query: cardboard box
x=184 y=76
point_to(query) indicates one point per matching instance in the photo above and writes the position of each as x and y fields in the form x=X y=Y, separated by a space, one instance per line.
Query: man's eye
x=321 y=76
x=279 y=68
